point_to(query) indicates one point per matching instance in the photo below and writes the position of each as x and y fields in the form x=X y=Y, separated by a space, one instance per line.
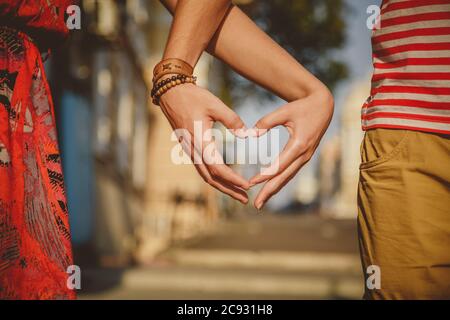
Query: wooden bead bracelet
x=165 y=85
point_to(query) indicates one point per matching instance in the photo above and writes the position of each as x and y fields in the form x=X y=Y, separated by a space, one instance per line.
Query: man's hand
x=241 y=44
x=306 y=120
x=187 y=104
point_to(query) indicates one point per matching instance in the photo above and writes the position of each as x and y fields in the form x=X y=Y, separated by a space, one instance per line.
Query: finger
x=290 y=153
x=231 y=121
x=214 y=162
x=232 y=191
x=189 y=148
x=225 y=173
x=222 y=186
x=269 y=121
x=219 y=170
x=274 y=185
x=184 y=139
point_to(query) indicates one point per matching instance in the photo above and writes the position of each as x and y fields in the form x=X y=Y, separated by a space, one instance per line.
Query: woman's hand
x=188 y=105
x=241 y=44
x=306 y=120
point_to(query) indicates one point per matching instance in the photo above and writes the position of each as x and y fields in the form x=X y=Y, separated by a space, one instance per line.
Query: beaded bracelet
x=165 y=85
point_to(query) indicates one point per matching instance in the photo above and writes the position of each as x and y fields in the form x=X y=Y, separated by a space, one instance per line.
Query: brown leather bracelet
x=171 y=66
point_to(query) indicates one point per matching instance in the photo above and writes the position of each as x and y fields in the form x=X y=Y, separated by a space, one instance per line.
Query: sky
x=357 y=54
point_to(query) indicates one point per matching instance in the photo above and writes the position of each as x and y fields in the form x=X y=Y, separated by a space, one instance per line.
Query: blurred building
x=329 y=168
x=340 y=157
x=127 y=199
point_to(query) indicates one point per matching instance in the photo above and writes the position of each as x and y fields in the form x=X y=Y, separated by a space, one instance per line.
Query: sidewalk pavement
x=248 y=257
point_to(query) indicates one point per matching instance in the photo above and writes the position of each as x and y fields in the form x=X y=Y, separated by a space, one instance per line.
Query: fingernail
x=241 y=133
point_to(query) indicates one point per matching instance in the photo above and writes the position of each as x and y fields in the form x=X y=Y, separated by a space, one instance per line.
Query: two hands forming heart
x=306 y=120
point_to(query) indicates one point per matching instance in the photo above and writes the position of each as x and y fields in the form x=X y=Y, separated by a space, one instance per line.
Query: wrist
x=175 y=93
x=324 y=95
x=189 y=57
x=168 y=74
x=304 y=84
x=171 y=66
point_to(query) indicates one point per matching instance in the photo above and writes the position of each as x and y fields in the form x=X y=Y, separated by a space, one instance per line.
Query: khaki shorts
x=404 y=213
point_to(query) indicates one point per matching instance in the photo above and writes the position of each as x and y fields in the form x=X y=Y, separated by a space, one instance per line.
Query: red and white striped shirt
x=411 y=56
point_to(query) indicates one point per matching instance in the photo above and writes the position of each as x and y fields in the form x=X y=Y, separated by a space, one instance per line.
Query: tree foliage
x=308 y=29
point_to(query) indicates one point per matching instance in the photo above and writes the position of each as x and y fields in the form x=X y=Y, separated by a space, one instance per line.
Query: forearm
x=241 y=44
x=194 y=24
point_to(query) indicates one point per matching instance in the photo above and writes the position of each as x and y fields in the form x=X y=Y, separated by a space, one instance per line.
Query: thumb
x=231 y=121
x=269 y=121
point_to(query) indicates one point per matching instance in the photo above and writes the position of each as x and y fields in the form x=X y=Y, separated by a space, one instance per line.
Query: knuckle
x=303 y=145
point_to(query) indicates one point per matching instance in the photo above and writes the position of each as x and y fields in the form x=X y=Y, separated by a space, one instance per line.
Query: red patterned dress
x=35 y=246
